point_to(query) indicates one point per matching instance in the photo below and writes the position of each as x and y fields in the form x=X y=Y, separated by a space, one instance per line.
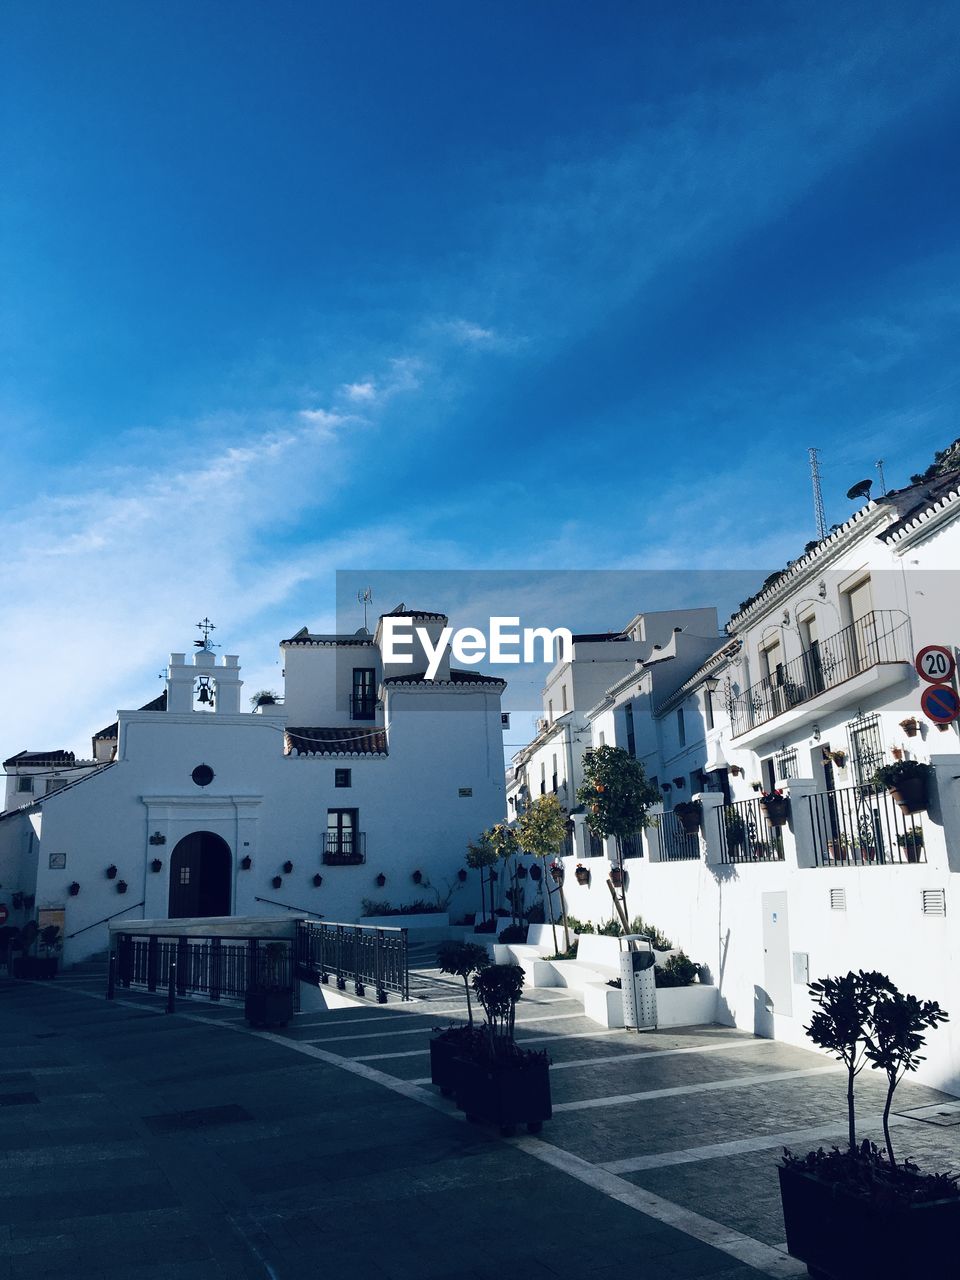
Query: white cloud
x=360 y=392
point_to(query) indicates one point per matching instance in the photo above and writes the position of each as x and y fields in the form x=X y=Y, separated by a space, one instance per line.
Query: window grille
x=866 y=748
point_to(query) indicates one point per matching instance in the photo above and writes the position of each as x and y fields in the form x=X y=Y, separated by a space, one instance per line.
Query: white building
x=814 y=686
x=360 y=778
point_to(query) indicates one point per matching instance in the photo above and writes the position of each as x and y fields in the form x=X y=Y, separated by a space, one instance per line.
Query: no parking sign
x=940 y=703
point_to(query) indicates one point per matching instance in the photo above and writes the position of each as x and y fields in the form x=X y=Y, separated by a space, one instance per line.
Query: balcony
x=344 y=848
x=863 y=827
x=363 y=707
x=879 y=638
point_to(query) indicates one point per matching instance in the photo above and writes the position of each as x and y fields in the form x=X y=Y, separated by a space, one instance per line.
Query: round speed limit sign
x=935 y=663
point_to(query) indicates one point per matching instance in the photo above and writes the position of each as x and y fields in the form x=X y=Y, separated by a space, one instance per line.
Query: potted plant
x=908 y=781
x=911 y=842
x=734 y=829
x=582 y=873
x=269 y=997
x=776 y=806
x=33 y=966
x=910 y=726
x=856 y=1211
x=496 y=1080
x=462 y=960
x=156 y=865
x=839 y=758
x=690 y=815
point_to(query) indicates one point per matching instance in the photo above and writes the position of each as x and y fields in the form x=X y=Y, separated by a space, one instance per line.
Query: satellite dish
x=861 y=489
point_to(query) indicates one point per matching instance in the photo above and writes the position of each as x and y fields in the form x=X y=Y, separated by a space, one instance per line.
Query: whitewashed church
x=364 y=781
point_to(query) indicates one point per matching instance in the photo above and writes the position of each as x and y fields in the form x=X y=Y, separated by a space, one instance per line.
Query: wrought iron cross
x=205 y=627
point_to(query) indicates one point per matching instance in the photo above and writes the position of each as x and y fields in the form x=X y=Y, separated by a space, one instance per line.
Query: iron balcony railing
x=344 y=848
x=363 y=707
x=596 y=845
x=212 y=967
x=631 y=846
x=361 y=954
x=675 y=844
x=746 y=834
x=879 y=636
x=863 y=827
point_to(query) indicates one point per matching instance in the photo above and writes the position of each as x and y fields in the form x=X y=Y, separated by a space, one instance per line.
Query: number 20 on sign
x=935 y=663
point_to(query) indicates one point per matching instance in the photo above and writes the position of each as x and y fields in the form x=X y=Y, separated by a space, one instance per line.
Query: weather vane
x=205 y=627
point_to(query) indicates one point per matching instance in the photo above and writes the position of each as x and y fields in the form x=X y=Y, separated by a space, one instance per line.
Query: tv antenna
x=817 y=494
x=364 y=597
x=883 y=483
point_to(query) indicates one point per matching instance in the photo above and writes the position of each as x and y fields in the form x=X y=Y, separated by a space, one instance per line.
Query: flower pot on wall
x=246 y=863
x=583 y=875
x=156 y=865
x=536 y=873
x=911 y=794
x=111 y=872
x=910 y=727
x=616 y=877
x=776 y=808
x=74 y=889
x=122 y=886
x=277 y=881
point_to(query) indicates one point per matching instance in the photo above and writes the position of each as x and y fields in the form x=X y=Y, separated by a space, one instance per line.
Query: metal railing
x=864 y=827
x=595 y=849
x=631 y=846
x=212 y=967
x=675 y=844
x=361 y=954
x=879 y=636
x=77 y=932
x=363 y=707
x=344 y=848
x=746 y=834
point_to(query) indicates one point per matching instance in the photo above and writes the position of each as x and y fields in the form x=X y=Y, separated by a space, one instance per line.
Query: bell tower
x=205 y=686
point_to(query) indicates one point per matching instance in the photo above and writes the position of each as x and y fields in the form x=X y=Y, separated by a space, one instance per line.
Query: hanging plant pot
x=689 y=816
x=616 y=877
x=156 y=865
x=246 y=862
x=776 y=808
x=462 y=875
x=158 y=838
x=287 y=867
x=521 y=873
x=417 y=877
x=74 y=889
x=582 y=874
x=536 y=874
x=111 y=872
x=121 y=886
x=556 y=873
x=317 y=880
x=942 y=727
x=277 y=881
x=910 y=727
x=381 y=880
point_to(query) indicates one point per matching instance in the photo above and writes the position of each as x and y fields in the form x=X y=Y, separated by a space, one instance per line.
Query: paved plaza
x=136 y=1144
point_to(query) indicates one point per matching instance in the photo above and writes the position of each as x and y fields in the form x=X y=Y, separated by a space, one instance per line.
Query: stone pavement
x=140 y=1146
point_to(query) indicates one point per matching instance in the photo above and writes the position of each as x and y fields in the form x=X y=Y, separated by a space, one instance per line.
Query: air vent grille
x=934 y=902
x=838 y=899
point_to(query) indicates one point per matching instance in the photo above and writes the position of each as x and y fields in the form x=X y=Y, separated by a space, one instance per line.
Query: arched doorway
x=200 y=876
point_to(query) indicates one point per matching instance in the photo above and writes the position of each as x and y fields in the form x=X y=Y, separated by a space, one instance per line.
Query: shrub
x=891 y=775
x=513 y=933
x=679 y=971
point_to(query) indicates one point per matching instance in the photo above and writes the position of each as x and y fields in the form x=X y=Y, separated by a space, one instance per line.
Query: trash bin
x=637 y=961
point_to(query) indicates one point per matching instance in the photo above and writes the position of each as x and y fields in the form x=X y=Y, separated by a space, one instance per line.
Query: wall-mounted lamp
x=711 y=684
x=816 y=733
x=822 y=590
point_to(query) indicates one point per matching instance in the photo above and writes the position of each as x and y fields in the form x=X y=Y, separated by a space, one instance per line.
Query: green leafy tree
x=480 y=856
x=542 y=828
x=895 y=1033
x=842 y=1024
x=617 y=795
x=462 y=959
x=503 y=840
x=498 y=988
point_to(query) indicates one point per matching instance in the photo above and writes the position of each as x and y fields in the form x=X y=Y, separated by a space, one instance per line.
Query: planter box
x=34 y=967
x=268 y=1008
x=504 y=1093
x=839 y=1235
x=686 y=1006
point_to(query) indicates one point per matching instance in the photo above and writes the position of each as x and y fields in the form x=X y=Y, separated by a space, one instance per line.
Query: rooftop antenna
x=364 y=597
x=817 y=494
x=205 y=627
x=883 y=483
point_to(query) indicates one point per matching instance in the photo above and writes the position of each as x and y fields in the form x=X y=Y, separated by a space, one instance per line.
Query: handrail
x=273 y=902
x=77 y=932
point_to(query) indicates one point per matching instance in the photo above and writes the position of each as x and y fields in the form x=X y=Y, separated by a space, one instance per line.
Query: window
x=708 y=707
x=184 y=875
x=543 y=778
x=555 y=774
x=343 y=839
x=25 y=784
x=364 y=700
x=785 y=765
x=866 y=748
x=342 y=778
x=857 y=605
x=631 y=736
x=681 y=729
x=563 y=695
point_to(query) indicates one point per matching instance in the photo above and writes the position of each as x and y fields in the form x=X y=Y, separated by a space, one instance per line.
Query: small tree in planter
x=462 y=960
x=542 y=829
x=496 y=1080
x=908 y=781
x=480 y=856
x=617 y=794
x=506 y=845
x=855 y=1212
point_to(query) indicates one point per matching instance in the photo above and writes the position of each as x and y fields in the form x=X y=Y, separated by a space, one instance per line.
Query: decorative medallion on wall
x=202 y=775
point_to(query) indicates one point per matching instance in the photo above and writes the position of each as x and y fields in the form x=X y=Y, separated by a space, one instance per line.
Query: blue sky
x=293 y=288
